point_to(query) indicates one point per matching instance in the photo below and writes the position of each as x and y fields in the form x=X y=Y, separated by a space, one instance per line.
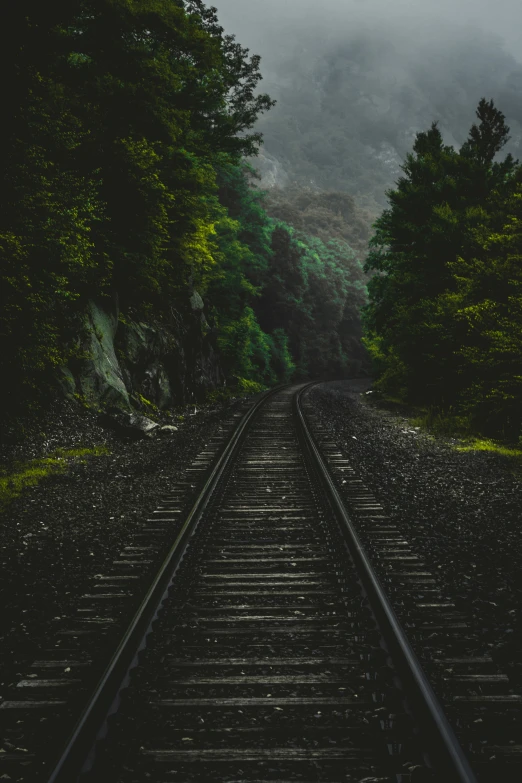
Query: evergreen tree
x=411 y=331
x=304 y=294
x=487 y=304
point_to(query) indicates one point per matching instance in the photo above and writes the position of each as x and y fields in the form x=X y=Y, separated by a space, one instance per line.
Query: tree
x=433 y=212
x=304 y=294
x=487 y=138
x=487 y=304
x=116 y=115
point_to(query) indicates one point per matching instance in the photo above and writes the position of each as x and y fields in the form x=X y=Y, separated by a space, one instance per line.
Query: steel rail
x=74 y=755
x=438 y=731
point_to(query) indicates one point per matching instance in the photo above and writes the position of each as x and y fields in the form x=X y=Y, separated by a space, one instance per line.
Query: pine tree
x=487 y=304
x=411 y=328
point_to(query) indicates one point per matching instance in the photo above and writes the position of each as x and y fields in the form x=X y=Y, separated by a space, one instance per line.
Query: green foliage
x=126 y=125
x=391 y=374
x=282 y=361
x=491 y=446
x=445 y=421
x=249 y=387
x=116 y=114
x=304 y=292
x=326 y=215
x=150 y=410
x=487 y=305
x=238 y=386
x=335 y=292
x=245 y=347
x=29 y=474
x=444 y=322
x=285 y=304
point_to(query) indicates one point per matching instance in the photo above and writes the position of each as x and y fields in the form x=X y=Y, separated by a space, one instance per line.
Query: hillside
x=351 y=96
x=323 y=214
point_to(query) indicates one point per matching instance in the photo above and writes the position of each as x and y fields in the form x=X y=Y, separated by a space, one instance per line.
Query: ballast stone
x=168 y=428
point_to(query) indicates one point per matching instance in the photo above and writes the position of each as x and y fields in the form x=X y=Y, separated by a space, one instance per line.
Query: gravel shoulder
x=58 y=534
x=460 y=509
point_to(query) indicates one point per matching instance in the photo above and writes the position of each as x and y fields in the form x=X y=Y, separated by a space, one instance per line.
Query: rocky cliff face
x=127 y=360
x=271 y=171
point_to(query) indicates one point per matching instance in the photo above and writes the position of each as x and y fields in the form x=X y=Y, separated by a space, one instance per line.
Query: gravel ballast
x=460 y=509
x=58 y=534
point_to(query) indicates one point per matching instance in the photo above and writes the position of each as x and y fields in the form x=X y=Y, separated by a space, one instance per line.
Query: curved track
x=265 y=649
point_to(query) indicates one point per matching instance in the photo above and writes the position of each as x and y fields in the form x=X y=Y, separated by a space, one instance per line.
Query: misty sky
x=257 y=22
x=355 y=80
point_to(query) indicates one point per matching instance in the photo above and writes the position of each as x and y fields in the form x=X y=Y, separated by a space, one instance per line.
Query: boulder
x=131 y=425
x=167 y=429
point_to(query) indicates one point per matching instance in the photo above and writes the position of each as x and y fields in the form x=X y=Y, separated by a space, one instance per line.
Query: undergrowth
x=441 y=422
x=242 y=387
x=450 y=424
x=29 y=474
x=486 y=444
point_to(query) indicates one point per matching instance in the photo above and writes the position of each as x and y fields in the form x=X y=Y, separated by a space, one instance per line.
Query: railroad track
x=265 y=648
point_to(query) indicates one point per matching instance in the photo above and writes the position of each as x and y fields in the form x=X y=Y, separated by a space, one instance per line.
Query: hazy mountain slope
x=326 y=215
x=347 y=116
x=355 y=82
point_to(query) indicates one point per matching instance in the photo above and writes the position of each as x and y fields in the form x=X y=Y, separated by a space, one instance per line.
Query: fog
x=255 y=23
x=355 y=80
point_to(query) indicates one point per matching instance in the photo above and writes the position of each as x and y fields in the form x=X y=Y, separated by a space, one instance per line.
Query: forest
x=130 y=128
x=444 y=321
x=127 y=128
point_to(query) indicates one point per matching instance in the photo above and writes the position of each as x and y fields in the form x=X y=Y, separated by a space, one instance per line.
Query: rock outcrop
x=130 y=363
x=271 y=170
x=100 y=379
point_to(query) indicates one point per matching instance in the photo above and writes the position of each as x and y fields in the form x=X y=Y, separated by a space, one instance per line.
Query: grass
x=443 y=423
x=244 y=387
x=29 y=474
x=461 y=428
x=486 y=444
x=448 y=424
